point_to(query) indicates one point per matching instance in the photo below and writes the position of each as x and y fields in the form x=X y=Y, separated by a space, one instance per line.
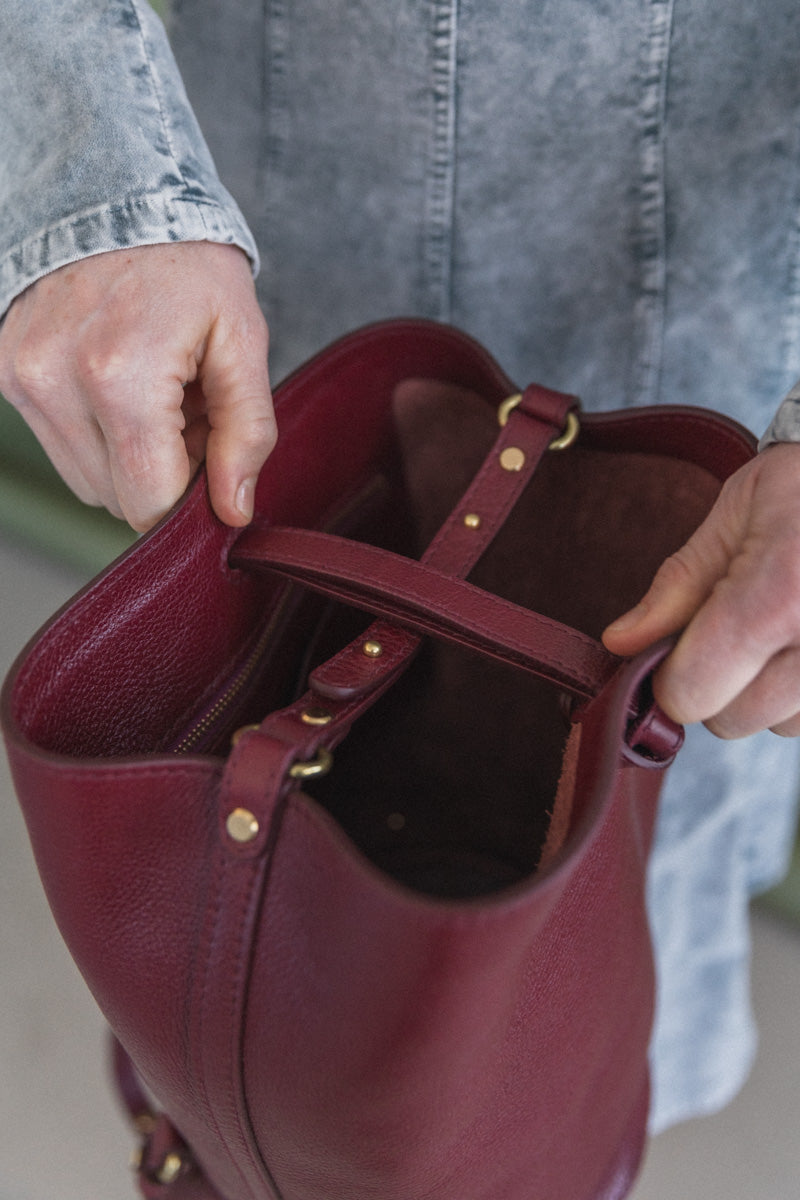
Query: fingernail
x=628 y=620
x=245 y=498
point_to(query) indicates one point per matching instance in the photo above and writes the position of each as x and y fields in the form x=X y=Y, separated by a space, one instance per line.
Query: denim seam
x=790 y=332
x=439 y=198
x=159 y=99
x=651 y=303
x=275 y=116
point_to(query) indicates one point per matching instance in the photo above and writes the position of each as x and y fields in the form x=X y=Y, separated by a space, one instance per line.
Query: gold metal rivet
x=316 y=716
x=137 y=1158
x=472 y=521
x=372 y=649
x=242 y=826
x=512 y=459
x=396 y=821
x=170 y=1169
x=241 y=732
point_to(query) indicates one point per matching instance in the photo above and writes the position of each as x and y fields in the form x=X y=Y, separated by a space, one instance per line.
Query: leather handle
x=428 y=601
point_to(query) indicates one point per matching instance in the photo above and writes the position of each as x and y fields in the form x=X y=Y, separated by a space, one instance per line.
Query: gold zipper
x=234 y=689
x=254 y=661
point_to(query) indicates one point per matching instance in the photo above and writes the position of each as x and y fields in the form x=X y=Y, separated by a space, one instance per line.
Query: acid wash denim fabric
x=605 y=192
x=98 y=145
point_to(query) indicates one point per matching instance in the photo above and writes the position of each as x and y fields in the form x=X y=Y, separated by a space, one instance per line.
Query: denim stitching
x=275 y=109
x=159 y=99
x=439 y=198
x=650 y=306
x=790 y=332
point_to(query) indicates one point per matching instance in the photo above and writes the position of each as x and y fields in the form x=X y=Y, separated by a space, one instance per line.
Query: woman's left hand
x=734 y=592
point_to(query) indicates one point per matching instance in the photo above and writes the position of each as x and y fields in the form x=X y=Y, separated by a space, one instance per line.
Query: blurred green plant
x=38 y=508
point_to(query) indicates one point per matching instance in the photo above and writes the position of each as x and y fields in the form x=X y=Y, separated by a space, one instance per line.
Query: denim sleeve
x=99 y=147
x=785 y=425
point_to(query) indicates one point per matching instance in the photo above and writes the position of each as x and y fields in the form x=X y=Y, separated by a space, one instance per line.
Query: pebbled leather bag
x=345 y=817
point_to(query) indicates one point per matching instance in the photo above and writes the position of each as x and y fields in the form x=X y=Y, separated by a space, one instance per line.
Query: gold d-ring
x=506 y=408
x=571 y=429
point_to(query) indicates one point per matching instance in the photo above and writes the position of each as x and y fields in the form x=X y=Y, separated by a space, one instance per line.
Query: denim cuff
x=146 y=220
x=785 y=425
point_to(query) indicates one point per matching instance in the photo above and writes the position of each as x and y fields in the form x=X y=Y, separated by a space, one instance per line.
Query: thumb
x=242 y=430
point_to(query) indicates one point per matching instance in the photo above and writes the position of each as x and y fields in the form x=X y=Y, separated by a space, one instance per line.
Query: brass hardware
x=137 y=1158
x=242 y=826
x=170 y=1169
x=316 y=716
x=564 y=440
x=512 y=459
x=145 y=1123
x=396 y=821
x=472 y=521
x=235 y=737
x=372 y=649
x=507 y=407
x=315 y=768
x=571 y=431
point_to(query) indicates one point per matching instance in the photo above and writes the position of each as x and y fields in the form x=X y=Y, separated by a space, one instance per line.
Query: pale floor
x=62 y=1138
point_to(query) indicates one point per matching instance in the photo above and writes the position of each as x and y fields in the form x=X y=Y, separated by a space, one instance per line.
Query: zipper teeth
x=244 y=676
x=253 y=662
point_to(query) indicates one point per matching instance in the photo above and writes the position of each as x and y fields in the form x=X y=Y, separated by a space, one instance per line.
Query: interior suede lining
x=452 y=782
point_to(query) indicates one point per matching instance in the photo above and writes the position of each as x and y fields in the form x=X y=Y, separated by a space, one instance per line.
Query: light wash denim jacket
x=605 y=192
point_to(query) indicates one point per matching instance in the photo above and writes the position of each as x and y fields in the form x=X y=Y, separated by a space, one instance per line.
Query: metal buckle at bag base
x=162 y=1158
x=172 y=1167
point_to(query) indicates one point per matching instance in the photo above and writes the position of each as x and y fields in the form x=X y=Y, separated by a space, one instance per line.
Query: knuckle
x=102 y=370
x=28 y=374
x=247 y=326
x=724 y=727
x=258 y=435
x=245 y=337
x=143 y=456
x=774 y=595
x=787 y=729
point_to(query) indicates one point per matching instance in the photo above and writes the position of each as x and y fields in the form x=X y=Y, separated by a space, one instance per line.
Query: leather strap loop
x=415 y=598
x=457 y=547
x=495 y=490
x=430 y=602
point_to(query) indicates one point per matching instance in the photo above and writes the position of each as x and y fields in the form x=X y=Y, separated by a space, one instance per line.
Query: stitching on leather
x=230 y=873
x=506 y=607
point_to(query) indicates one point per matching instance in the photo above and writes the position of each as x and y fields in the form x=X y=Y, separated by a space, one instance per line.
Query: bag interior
x=449 y=783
